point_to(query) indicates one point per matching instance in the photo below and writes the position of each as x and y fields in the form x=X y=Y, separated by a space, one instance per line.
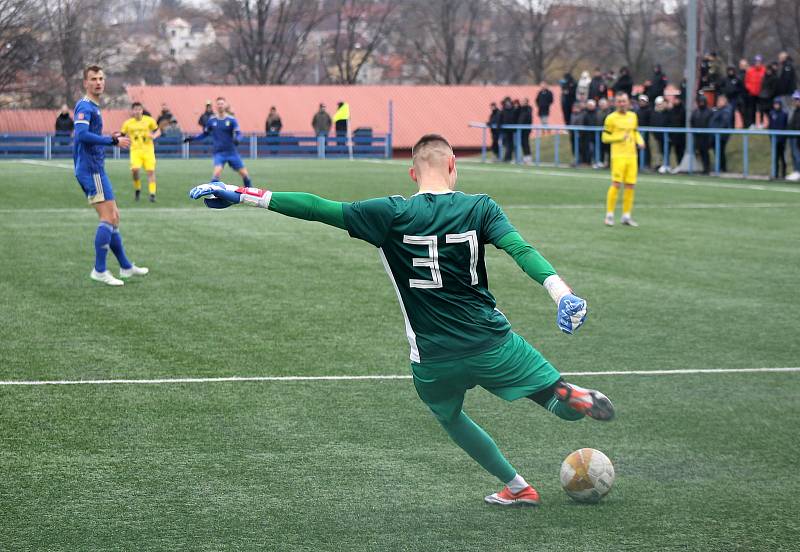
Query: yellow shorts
x=624 y=169
x=146 y=159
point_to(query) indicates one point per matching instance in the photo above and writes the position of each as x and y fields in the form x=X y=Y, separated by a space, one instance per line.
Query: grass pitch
x=704 y=461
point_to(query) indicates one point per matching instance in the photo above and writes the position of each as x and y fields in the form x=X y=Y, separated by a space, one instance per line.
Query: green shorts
x=511 y=371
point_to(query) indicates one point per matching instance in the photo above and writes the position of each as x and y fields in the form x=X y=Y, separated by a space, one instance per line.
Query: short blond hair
x=429 y=149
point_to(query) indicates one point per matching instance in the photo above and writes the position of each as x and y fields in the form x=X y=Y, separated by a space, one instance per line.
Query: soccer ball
x=587 y=475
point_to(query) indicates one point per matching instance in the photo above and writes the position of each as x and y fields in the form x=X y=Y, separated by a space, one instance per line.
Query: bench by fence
x=254 y=146
x=576 y=136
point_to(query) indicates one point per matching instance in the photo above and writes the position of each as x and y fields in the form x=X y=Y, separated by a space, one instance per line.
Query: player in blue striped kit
x=89 y=159
x=225 y=134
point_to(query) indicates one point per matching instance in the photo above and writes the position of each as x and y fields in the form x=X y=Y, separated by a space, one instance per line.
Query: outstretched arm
x=571 y=309
x=83 y=135
x=292 y=204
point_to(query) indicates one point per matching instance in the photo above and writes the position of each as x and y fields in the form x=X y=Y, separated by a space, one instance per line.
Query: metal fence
x=253 y=146
x=666 y=139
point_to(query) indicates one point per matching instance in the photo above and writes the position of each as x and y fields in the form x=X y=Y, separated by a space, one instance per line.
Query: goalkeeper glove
x=571 y=308
x=218 y=195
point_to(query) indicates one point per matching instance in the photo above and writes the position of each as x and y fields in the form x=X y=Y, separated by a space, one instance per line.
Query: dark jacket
x=166 y=115
x=659 y=118
x=732 y=87
x=525 y=115
x=721 y=118
x=494 y=118
x=701 y=117
x=204 y=118
x=598 y=88
x=658 y=83
x=508 y=116
x=544 y=99
x=274 y=124
x=676 y=116
x=321 y=122
x=64 y=124
x=569 y=89
x=778 y=120
x=624 y=84
x=645 y=116
x=794 y=120
x=787 y=79
x=769 y=86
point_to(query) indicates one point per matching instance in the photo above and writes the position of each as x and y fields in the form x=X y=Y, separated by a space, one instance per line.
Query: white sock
x=517 y=484
x=610 y=214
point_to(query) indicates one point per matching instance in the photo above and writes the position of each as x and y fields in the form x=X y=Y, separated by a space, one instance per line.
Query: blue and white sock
x=102 y=239
x=119 y=250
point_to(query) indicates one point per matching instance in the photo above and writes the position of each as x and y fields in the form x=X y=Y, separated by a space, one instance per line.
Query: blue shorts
x=96 y=186
x=230 y=157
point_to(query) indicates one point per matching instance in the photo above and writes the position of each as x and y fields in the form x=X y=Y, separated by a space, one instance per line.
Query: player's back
x=432 y=247
x=88 y=158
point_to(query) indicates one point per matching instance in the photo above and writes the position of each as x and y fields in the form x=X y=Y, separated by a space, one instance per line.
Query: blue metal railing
x=253 y=146
x=578 y=135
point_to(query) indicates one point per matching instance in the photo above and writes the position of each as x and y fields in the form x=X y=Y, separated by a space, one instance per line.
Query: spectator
x=721 y=117
x=597 y=88
x=732 y=87
x=341 y=121
x=583 y=88
x=172 y=130
x=779 y=120
x=588 y=138
x=544 y=99
x=676 y=117
x=644 y=112
x=273 y=125
x=526 y=118
x=624 y=82
x=576 y=119
x=494 y=127
x=794 y=141
x=205 y=115
x=517 y=109
x=508 y=116
x=569 y=90
x=787 y=79
x=659 y=119
x=64 y=126
x=769 y=89
x=701 y=118
x=753 y=77
x=165 y=117
x=604 y=109
x=658 y=83
x=321 y=122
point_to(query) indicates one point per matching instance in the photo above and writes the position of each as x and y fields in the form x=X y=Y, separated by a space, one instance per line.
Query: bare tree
x=449 y=38
x=267 y=38
x=546 y=31
x=361 y=27
x=786 y=14
x=74 y=36
x=18 y=41
x=629 y=24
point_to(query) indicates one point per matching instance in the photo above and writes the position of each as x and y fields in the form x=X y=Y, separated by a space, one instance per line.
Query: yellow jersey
x=621 y=130
x=140 y=133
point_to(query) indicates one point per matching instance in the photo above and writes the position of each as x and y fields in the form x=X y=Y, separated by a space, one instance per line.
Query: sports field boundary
x=387 y=377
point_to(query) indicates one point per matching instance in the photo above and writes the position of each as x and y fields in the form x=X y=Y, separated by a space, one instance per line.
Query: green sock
x=476 y=442
x=563 y=411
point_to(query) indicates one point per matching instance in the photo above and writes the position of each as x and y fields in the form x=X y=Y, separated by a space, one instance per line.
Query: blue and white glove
x=218 y=195
x=571 y=313
x=571 y=308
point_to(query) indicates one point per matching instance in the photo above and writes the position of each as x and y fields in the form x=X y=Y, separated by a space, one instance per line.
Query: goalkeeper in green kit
x=432 y=247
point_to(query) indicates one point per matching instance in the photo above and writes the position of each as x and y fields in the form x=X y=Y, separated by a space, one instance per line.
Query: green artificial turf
x=704 y=461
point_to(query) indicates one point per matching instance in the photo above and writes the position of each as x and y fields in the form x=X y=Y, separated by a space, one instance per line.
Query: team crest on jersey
x=81 y=115
x=227 y=123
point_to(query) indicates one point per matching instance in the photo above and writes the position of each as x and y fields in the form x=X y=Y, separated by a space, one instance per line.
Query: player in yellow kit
x=621 y=130
x=142 y=130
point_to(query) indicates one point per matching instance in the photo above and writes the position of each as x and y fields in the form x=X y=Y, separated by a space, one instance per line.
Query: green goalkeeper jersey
x=432 y=247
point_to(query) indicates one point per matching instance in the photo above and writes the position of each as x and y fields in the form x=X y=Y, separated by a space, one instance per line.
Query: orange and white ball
x=587 y=475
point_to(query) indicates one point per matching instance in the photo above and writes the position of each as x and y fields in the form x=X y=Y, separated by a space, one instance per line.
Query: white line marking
x=584 y=175
x=663 y=206
x=43 y=164
x=381 y=377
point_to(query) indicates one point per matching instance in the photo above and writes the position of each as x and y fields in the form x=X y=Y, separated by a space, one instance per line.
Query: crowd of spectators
x=764 y=96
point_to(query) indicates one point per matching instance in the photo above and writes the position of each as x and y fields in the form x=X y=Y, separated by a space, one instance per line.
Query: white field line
x=158 y=211
x=580 y=175
x=43 y=164
x=380 y=377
